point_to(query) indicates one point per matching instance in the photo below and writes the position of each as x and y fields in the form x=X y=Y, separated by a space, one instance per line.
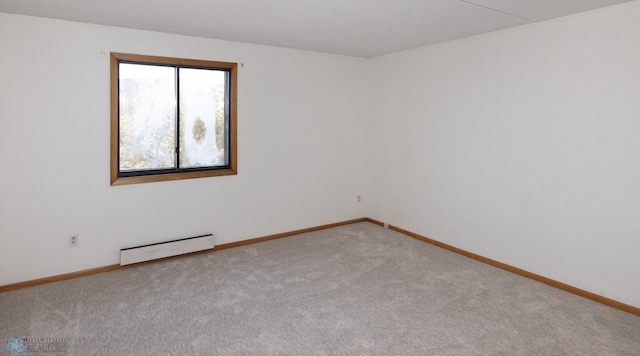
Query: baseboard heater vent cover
x=159 y=250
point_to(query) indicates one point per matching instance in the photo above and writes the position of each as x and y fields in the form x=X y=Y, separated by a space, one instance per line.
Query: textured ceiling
x=363 y=28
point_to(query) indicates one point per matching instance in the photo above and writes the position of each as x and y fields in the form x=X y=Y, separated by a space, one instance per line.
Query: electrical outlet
x=359 y=198
x=74 y=240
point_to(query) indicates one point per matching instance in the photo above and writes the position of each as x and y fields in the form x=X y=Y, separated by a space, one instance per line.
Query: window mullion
x=227 y=114
x=177 y=121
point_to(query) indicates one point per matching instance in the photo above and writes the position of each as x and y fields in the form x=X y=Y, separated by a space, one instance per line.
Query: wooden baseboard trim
x=550 y=282
x=88 y=272
x=286 y=234
x=58 y=278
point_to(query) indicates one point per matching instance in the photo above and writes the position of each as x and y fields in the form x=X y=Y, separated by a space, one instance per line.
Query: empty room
x=433 y=177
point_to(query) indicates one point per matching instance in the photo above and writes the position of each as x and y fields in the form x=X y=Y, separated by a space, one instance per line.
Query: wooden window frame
x=231 y=169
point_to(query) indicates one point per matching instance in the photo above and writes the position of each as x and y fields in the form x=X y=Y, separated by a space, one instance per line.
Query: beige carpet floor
x=352 y=290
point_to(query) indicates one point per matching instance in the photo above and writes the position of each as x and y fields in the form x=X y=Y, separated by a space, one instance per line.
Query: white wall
x=300 y=148
x=521 y=145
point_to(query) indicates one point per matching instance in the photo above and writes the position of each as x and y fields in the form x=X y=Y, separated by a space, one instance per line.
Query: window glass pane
x=202 y=118
x=147 y=117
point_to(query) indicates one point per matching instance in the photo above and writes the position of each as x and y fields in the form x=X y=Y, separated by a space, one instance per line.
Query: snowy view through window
x=149 y=128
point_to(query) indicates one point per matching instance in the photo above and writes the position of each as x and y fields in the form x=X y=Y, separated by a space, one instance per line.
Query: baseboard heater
x=159 y=250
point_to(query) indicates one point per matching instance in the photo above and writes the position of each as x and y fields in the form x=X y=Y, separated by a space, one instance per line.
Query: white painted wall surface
x=521 y=145
x=300 y=147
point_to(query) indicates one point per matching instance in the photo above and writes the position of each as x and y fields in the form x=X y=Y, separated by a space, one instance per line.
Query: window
x=171 y=118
